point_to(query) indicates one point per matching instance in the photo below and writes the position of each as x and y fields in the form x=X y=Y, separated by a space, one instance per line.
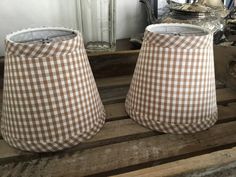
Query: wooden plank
x=112 y=132
x=112 y=53
x=120 y=129
x=123 y=128
x=225 y=96
x=115 y=111
x=152 y=150
x=123 y=62
x=118 y=94
x=203 y=165
x=120 y=114
x=115 y=89
x=6 y=151
x=126 y=80
x=114 y=65
x=114 y=81
x=223 y=56
x=226 y=113
x=113 y=95
x=220 y=85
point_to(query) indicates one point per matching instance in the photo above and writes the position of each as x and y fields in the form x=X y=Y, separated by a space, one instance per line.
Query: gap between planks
x=114 y=89
x=114 y=81
x=109 y=159
x=224 y=96
x=118 y=94
x=114 y=132
x=115 y=111
x=162 y=149
x=200 y=165
x=126 y=80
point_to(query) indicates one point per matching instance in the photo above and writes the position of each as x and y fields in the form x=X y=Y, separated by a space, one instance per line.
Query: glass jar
x=96 y=21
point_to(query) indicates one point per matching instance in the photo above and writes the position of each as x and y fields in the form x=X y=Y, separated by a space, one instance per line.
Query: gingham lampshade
x=173 y=86
x=50 y=99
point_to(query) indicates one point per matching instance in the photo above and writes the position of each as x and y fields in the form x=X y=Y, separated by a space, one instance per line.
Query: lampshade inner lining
x=177 y=30
x=42 y=36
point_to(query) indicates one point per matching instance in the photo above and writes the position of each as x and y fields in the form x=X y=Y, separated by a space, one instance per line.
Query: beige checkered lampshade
x=50 y=99
x=173 y=86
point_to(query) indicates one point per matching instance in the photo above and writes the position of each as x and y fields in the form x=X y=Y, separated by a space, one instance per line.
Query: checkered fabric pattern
x=50 y=99
x=173 y=86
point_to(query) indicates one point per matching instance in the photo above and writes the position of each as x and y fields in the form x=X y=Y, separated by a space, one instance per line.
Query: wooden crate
x=125 y=148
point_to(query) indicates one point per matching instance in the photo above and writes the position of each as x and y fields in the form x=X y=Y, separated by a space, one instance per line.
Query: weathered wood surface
x=123 y=145
x=113 y=82
x=123 y=61
x=115 y=111
x=117 y=93
x=113 y=90
x=113 y=65
x=154 y=149
x=110 y=94
x=119 y=130
x=217 y=164
x=223 y=56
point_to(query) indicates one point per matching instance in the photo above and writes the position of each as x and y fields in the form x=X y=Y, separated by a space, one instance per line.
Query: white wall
x=19 y=14
x=131 y=18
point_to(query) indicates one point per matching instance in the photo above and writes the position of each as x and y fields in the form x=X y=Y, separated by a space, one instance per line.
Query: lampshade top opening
x=177 y=30
x=42 y=35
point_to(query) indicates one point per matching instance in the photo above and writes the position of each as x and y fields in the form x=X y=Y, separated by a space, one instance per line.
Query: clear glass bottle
x=96 y=21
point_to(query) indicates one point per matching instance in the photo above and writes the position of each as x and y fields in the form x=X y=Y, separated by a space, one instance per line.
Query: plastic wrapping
x=212 y=22
x=197 y=14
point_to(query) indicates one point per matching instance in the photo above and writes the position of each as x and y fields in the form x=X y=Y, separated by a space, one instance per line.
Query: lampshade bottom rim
x=172 y=128
x=47 y=146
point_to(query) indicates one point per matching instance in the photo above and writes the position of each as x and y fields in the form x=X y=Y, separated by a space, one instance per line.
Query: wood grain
x=123 y=145
x=115 y=111
x=225 y=96
x=114 y=81
x=118 y=94
x=114 y=65
x=203 y=165
x=115 y=156
x=113 y=132
x=223 y=56
x=115 y=89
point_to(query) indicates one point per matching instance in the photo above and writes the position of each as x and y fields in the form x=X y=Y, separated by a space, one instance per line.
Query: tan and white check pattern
x=51 y=101
x=173 y=86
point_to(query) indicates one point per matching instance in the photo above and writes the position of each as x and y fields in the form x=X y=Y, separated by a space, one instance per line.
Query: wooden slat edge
x=114 y=132
x=112 y=53
x=166 y=148
x=225 y=96
x=114 y=81
x=112 y=158
x=200 y=165
x=115 y=111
